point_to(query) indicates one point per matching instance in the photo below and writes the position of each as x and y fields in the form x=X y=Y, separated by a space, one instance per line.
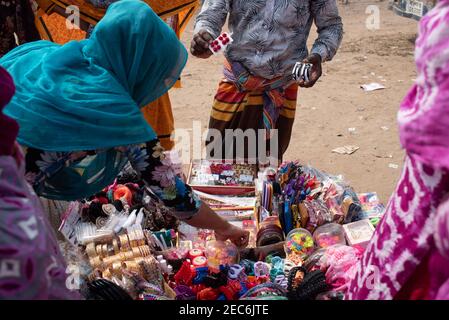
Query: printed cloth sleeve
x=212 y=16
x=162 y=172
x=330 y=28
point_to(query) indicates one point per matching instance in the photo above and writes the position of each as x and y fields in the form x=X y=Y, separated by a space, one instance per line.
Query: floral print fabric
x=159 y=170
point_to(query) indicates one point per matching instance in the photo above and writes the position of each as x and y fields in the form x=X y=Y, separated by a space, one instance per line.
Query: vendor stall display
x=308 y=229
x=222 y=177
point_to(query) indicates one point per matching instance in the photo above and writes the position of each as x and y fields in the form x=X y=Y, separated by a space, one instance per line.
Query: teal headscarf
x=87 y=95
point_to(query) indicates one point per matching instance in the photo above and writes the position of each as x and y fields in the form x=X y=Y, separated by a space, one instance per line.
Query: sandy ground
x=336 y=103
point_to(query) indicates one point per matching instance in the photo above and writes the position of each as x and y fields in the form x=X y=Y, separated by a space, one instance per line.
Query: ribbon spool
x=199 y=261
x=195 y=253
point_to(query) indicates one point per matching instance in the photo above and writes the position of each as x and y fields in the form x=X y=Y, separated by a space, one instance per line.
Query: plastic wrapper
x=328 y=235
x=339 y=262
x=221 y=253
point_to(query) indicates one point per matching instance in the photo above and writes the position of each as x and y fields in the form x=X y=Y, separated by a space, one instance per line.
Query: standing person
x=408 y=256
x=270 y=36
x=78 y=107
x=16 y=24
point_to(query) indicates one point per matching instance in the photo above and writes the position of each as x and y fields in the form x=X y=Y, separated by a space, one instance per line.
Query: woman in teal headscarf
x=78 y=110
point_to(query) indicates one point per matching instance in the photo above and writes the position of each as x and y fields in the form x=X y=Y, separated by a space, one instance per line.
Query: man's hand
x=315 y=72
x=200 y=44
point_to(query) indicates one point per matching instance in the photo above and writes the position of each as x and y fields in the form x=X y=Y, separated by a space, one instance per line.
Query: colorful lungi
x=248 y=102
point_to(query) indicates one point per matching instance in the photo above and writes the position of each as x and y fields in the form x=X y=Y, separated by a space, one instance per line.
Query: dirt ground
x=336 y=103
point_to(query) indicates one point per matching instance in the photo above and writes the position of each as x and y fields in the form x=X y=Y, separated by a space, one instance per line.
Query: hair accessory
x=236 y=271
x=208 y=294
x=220 y=44
x=261 y=269
x=201 y=273
x=122 y=192
x=184 y=293
x=288 y=266
x=266 y=290
x=231 y=290
x=248 y=266
x=185 y=274
x=281 y=280
x=312 y=284
x=299 y=241
x=301 y=71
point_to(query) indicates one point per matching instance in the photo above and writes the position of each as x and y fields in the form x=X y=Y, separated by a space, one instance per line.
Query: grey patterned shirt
x=270 y=36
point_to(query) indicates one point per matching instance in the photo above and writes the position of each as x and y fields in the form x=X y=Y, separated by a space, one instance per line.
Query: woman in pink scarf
x=31 y=266
x=408 y=257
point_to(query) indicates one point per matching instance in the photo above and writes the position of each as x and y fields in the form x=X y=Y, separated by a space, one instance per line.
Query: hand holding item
x=315 y=71
x=8 y=127
x=200 y=44
x=237 y=235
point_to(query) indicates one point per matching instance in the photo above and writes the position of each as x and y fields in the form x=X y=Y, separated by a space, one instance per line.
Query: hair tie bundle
x=312 y=284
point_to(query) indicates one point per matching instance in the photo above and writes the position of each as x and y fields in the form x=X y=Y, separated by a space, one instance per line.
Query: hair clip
x=261 y=269
x=281 y=280
x=235 y=272
x=219 y=45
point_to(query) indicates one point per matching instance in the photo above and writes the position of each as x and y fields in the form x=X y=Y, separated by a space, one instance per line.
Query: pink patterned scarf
x=416 y=222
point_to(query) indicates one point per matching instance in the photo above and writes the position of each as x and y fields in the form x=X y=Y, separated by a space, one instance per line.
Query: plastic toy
x=221 y=43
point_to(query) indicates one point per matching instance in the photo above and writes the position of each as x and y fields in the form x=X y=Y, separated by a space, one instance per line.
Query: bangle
x=115 y=246
x=136 y=252
x=129 y=255
x=131 y=266
x=90 y=250
x=96 y=262
x=116 y=267
x=124 y=242
x=107 y=273
x=98 y=249
x=104 y=250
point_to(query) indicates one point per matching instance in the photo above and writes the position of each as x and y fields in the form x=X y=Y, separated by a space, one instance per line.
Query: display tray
x=222 y=177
